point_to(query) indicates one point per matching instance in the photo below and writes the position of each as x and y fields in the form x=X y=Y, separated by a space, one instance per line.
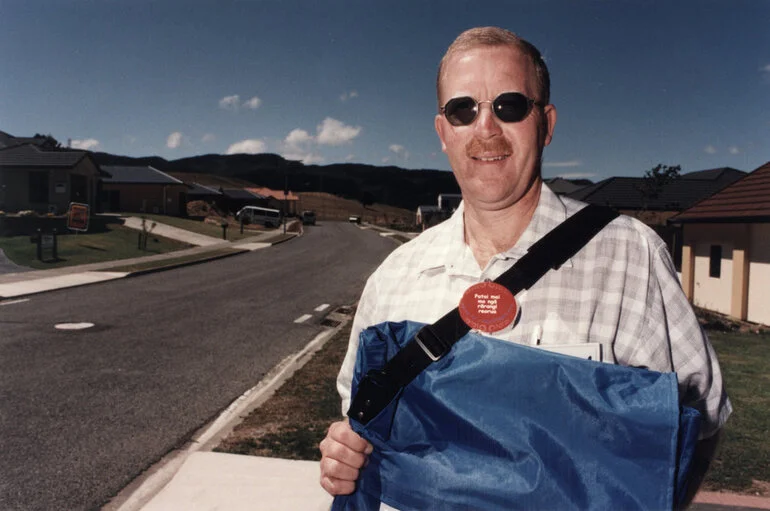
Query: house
x=429 y=215
x=142 y=189
x=726 y=249
x=41 y=177
x=626 y=194
x=287 y=203
x=233 y=199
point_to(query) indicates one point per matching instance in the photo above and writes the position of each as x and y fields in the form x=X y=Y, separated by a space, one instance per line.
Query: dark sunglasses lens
x=460 y=111
x=512 y=107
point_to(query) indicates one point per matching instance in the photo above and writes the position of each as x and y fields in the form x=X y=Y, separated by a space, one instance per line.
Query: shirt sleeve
x=364 y=318
x=670 y=338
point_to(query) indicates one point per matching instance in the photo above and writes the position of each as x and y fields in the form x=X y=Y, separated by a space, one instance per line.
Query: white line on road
x=303 y=318
x=10 y=302
x=322 y=308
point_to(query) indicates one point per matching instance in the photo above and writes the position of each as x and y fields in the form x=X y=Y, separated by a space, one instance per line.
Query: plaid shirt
x=621 y=290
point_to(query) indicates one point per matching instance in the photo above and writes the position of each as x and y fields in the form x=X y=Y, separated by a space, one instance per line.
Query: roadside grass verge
x=177 y=261
x=117 y=242
x=200 y=227
x=292 y=423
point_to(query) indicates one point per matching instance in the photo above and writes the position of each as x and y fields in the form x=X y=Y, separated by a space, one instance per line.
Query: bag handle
x=432 y=342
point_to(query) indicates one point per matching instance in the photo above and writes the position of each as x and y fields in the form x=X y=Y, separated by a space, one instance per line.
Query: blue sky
x=635 y=83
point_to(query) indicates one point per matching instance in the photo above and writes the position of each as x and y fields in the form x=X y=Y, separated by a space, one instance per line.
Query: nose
x=487 y=124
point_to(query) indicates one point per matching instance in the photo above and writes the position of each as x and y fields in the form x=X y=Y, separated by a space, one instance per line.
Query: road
x=82 y=413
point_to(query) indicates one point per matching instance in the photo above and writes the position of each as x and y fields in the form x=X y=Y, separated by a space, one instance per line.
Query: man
x=621 y=291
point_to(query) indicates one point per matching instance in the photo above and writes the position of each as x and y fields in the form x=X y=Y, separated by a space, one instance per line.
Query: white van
x=256 y=215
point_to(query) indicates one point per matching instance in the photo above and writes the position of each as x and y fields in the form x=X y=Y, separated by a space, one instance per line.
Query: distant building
x=561 y=186
x=726 y=249
x=142 y=189
x=37 y=175
x=276 y=199
x=429 y=215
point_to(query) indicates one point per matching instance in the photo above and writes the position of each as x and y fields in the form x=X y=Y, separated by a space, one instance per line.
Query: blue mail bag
x=496 y=425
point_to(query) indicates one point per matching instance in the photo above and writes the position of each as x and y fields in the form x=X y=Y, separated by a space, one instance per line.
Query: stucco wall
x=759 y=274
x=710 y=292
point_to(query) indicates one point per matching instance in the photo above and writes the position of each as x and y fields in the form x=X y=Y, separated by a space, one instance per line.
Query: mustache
x=497 y=145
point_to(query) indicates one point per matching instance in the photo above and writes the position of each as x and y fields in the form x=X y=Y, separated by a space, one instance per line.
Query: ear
x=550 y=122
x=438 y=122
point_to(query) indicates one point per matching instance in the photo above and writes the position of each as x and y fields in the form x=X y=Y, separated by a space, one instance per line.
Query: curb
x=149 y=483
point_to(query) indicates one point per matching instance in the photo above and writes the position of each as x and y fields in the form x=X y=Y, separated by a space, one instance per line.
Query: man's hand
x=343 y=453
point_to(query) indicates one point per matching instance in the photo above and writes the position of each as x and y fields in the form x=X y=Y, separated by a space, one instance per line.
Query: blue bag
x=496 y=425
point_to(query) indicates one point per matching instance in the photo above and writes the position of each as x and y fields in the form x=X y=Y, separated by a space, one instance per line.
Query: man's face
x=496 y=164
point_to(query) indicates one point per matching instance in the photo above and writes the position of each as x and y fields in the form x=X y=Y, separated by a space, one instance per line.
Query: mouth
x=490 y=159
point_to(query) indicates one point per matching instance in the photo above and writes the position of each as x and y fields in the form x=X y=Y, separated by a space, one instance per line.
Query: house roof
x=199 y=189
x=29 y=155
x=241 y=194
x=275 y=194
x=679 y=194
x=145 y=174
x=563 y=186
x=748 y=198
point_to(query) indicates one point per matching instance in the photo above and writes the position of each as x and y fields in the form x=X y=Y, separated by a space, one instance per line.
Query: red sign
x=77 y=217
x=488 y=307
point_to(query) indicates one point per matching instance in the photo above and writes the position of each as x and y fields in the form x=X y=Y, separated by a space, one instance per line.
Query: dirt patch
x=715 y=321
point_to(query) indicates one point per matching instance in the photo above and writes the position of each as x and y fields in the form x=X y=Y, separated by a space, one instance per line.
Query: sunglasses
x=508 y=107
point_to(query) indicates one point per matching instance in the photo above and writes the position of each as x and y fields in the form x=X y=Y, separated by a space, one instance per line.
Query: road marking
x=322 y=308
x=303 y=318
x=15 y=301
x=73 y=326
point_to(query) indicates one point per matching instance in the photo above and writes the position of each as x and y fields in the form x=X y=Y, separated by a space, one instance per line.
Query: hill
x=367 y=184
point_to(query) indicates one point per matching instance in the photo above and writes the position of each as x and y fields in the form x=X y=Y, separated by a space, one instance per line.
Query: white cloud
x=386 y=159
x=174 y=140
x=348 y=95
x=733 y=150
x=248 y=146
x=562 y=164
x=230 y=102
x=297 y=137
x=86 y=144
x=208 y=137
x=399 y=150
x=334 y=132
x=306 y=158
x=252 y=103
x=577 y=175
x=766 y=68
x=710 y=149
x=350 y=157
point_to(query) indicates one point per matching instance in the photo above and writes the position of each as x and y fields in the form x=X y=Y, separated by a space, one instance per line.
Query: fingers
x=343 y=452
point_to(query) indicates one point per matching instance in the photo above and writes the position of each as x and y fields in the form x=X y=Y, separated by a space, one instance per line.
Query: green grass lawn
x=200 y=227
x=744 y=455
x=117 y=242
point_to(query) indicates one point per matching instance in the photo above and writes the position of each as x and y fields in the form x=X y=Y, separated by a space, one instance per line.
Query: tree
x=655 y=180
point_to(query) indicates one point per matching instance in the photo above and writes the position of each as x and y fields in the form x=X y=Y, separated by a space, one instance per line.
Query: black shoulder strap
x=432 y=342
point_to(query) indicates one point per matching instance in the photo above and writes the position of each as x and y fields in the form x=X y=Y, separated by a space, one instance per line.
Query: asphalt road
x=83 y=413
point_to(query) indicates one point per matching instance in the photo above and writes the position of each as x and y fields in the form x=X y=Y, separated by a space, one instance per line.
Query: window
x=38 y=187
x=715 y=261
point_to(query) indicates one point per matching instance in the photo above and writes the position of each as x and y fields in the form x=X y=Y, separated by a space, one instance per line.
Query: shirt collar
x=451 y=248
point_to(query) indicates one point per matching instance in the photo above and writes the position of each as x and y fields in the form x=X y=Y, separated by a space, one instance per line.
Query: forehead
x=485 y=71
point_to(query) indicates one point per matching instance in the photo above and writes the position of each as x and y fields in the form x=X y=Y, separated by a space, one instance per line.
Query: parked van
x=256 y=215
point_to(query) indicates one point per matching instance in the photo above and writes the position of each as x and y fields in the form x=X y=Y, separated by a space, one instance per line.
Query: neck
x=489 y=232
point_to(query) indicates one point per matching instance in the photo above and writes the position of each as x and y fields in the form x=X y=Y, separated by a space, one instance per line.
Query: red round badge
x=488 y=307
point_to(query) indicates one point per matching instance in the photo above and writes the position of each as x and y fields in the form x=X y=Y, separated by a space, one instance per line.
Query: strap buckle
x=433 y=345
